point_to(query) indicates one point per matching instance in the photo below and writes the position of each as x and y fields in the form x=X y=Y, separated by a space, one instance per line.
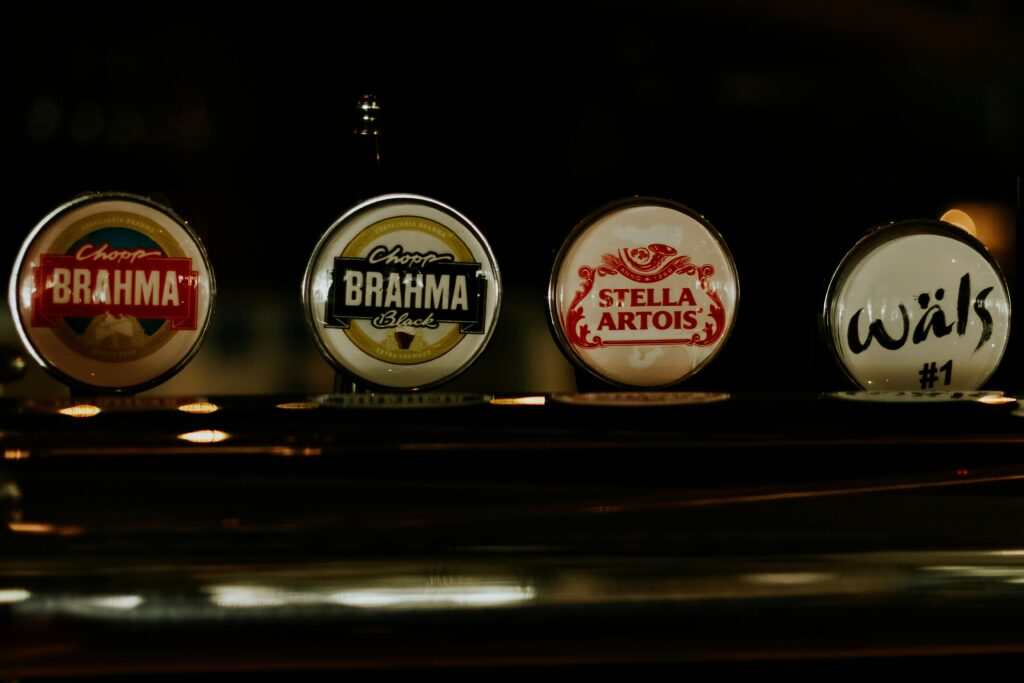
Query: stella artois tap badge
x=918 y=306
x=402 y=292
x=112 y=292
x=643 y=293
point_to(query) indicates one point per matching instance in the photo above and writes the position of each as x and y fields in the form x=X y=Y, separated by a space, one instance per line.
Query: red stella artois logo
x=645 y=295
x=97 y=279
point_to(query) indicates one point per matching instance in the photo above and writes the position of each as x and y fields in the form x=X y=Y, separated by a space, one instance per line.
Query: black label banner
x=394 y=296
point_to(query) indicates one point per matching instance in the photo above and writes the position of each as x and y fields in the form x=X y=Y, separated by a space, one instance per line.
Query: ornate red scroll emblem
x=645 y=296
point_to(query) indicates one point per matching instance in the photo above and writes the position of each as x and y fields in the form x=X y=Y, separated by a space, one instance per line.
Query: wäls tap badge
x=643 y=293
x=112 y=292
x=918 y=306
x=402 y=292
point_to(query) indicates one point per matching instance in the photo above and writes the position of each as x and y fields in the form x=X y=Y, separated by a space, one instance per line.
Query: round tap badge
x=643 y=293
x=918 y=306
x=112 y=292
x=402 y=292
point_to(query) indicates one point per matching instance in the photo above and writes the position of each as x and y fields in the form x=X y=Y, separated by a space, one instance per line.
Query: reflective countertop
x=461 y=531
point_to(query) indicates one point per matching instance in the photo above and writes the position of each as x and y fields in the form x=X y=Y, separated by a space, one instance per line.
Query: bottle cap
x=402 y=292
x=643 y=293
x=112 y=292
x=918 y=306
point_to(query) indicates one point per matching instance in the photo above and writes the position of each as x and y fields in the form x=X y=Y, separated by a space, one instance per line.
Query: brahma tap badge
x=643 y=293
x=918 y=306
x=402 y=292
x=112 y=292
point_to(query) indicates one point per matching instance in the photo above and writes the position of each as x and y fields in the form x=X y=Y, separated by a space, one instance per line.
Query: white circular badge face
x=643 y=293
x=402 y=292
x=112 y=292
x=918 y=306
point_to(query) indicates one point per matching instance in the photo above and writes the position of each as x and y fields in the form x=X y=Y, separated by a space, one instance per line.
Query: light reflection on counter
x=259 y=597
x=395 y=597
x=996 y=400
x=81 y=410
x=790 y=578
x=9 y=596
x=115 y=602
x=292 y=452
x=205 y=436
x=42 y=528
x=115 y=606
x=199 y=408
x=450 y=596
x=1008 y=574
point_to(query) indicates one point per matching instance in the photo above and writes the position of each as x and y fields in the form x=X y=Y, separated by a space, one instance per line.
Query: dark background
x=793 y=126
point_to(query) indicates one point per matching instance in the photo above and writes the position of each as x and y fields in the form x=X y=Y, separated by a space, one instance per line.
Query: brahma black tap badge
x=918 y=306
x=643 y=293
x=112 y=292
x=402 y=292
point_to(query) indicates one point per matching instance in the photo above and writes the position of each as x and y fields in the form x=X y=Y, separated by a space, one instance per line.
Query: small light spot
x=199 y=408
x=12 y=595
x=205 y=436
x=996 y=400
x=960 y=219
x=118 y=602
x=81 y=410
